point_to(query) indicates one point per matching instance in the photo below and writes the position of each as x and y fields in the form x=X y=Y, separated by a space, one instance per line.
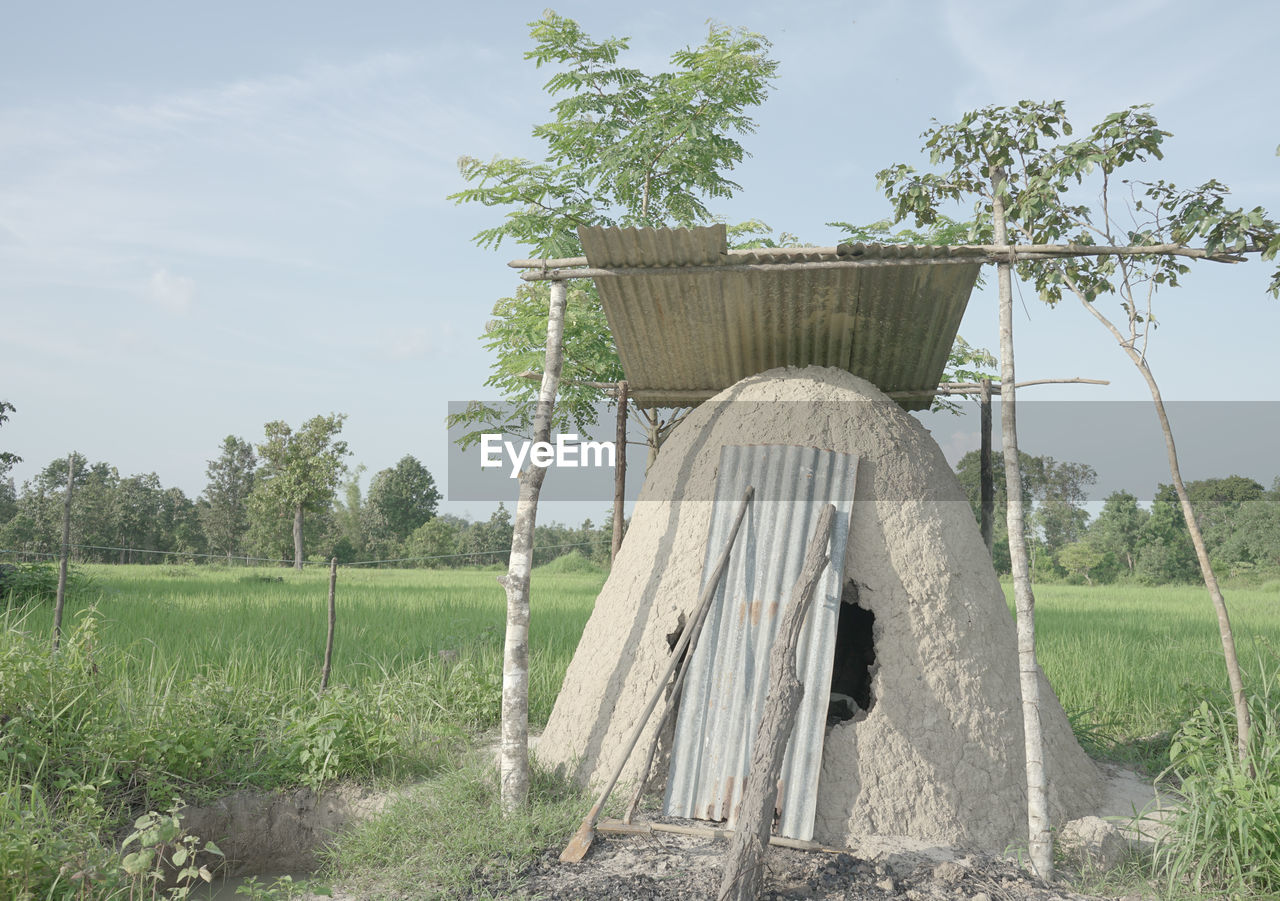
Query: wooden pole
x=66 y=550
x=333 y=618
x=580 y=843
x=514 y=754
x=854 y=255
x=744 y=864
x=1039 y=839
x=619 y=471
x=987 y=488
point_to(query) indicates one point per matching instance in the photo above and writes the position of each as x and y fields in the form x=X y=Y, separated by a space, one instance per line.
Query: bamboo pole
x=66 y=550
x=333 y=618
x=619 y=471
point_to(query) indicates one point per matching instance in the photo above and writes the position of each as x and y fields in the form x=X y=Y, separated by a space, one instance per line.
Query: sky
x=216 y=215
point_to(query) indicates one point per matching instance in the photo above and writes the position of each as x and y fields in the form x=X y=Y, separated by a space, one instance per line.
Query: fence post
x=66 y=542
x=333 y=617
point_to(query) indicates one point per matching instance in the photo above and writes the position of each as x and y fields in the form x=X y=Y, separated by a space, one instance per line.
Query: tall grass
x=1131 y=663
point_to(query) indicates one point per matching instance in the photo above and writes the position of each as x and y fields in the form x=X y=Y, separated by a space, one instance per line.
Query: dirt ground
x=664 y=867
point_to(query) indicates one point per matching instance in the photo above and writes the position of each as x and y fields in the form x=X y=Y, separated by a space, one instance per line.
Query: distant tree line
x=287 y=499
x=1127 y=540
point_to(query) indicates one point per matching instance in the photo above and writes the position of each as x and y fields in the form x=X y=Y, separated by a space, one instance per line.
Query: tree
x=7 y=459
x=436 y=543
x=625 y=148
x=978 y=156
x=402 y=498
x=300 y=470
x=1082 y=558
x=1118 y=528
x=225 y=512
x=1032 y=172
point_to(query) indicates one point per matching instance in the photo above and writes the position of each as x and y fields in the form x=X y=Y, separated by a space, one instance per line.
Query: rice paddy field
x=192 y=681
x=1128 y=662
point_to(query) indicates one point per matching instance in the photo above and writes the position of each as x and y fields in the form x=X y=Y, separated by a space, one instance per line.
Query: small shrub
x=572 y=562
x=1226 y=834
x=22 y=583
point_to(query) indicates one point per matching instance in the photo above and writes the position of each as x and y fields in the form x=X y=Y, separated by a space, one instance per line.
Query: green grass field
x=194 y=681
x=1127 y=661
x=1134 y=661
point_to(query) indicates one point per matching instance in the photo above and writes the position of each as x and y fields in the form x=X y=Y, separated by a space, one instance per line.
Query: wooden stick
x=986 y=487
x=618 y=827
x=856 y=255
x=333 y=618
x=66 y=550
x=744 y=863
x=673 y=702
x=581 y=841
x=619 y=471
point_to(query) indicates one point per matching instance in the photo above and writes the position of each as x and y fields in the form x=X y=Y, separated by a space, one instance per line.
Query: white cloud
x=175 y=293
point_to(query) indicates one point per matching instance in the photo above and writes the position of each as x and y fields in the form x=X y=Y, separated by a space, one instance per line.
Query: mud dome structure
x=929 y=742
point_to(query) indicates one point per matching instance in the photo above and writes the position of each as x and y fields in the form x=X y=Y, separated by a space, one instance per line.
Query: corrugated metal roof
x=690 y=331
x=727 y=683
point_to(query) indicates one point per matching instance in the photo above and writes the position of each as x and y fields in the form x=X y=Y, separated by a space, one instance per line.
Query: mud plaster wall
x=939 y=756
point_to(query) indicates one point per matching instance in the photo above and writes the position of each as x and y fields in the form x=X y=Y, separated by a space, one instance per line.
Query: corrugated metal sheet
x=681 y=332
x=727 y=682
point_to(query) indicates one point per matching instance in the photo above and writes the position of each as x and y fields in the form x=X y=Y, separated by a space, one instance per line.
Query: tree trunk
x=514 y=755
x=1039 y=840
x=297 y=537
x=744 y=863
x=1234 y=676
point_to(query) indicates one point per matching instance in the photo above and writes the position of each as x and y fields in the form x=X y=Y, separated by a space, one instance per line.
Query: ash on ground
x=663 y=867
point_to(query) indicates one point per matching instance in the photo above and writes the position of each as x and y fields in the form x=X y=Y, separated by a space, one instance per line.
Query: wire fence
x=20 y=553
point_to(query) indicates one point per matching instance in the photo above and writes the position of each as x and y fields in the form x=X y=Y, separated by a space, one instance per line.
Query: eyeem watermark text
x=567 y=452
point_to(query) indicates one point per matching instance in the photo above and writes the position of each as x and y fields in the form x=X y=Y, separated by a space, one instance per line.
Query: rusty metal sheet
x=691 y=330
x=727 y=683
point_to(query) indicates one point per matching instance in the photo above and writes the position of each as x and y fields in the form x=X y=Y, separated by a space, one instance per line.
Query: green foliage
x=401 y=499
x=23 y=583
x=300 y=470
x=282 y=888
x=225 y=509
x=575 y=562
x=1084 y=559
x=7 y=459
x=517 y=336
x=624 y=148
x=1225 y=834
x=162 y=845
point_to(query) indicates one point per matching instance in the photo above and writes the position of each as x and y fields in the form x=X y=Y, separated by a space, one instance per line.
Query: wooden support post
x=744 y=864
x=514 y=754
x=333 y=618
x=619 y=470
x=987 y=479
x=66 y=550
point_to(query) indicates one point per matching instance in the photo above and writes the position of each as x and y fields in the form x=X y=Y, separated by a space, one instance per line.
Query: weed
x=450 y=838
x=1225 y=836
